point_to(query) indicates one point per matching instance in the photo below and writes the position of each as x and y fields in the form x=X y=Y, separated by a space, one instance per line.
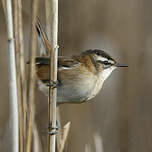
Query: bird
x=79 y=77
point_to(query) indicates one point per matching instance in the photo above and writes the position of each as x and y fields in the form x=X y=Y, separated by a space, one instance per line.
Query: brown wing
x=42 y=66
x=63 y=62
x=67 y=62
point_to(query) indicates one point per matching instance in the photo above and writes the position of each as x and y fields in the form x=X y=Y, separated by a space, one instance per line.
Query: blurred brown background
x=121 y=113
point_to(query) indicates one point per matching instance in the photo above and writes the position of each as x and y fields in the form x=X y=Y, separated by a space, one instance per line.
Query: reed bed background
x=119 y=118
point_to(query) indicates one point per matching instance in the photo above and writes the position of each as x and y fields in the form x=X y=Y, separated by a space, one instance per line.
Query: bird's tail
x=45 y=46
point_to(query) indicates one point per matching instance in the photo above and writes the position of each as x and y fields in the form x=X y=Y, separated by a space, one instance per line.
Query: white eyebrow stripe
x=102 y=58
x=99 y=58
x=110 y=61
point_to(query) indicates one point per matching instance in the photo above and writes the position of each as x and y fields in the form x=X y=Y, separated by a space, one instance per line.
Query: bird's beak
x=121 y=65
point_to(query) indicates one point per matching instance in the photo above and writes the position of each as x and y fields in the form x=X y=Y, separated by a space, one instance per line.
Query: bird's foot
x=53 y=84
x=53 y=130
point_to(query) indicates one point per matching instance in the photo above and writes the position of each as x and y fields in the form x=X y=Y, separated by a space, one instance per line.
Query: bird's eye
x=106 y=63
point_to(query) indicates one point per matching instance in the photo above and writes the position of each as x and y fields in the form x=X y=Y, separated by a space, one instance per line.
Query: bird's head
x=104 y=62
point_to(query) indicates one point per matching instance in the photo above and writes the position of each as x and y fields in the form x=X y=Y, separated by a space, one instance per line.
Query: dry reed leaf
x=65 y=133
x=98 y=143
x=37 y=145
x=87 y=148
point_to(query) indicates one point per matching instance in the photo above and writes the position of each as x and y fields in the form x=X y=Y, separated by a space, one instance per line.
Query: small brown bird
x=80 y=77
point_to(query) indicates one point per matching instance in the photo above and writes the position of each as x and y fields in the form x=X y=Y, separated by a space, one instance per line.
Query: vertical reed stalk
x=4 y=6
x=52 y=13
x=31 y=95
x=20 y=109
x=22 y=66
x=48 y=18
x=19 y=47
x=48 y=31
x=12 y=80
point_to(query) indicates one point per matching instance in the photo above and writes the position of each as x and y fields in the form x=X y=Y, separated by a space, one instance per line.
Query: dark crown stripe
x=98 y=52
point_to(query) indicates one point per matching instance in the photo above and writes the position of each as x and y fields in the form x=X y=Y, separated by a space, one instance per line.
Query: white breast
x=43 y=87
x=82 y=90
x=78 y=91
x=96 y=86
x=101 y=77
x=106 y=72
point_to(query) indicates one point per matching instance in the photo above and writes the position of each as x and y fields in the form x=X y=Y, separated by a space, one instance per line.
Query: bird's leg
x=53 y=130
x=53 y=84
